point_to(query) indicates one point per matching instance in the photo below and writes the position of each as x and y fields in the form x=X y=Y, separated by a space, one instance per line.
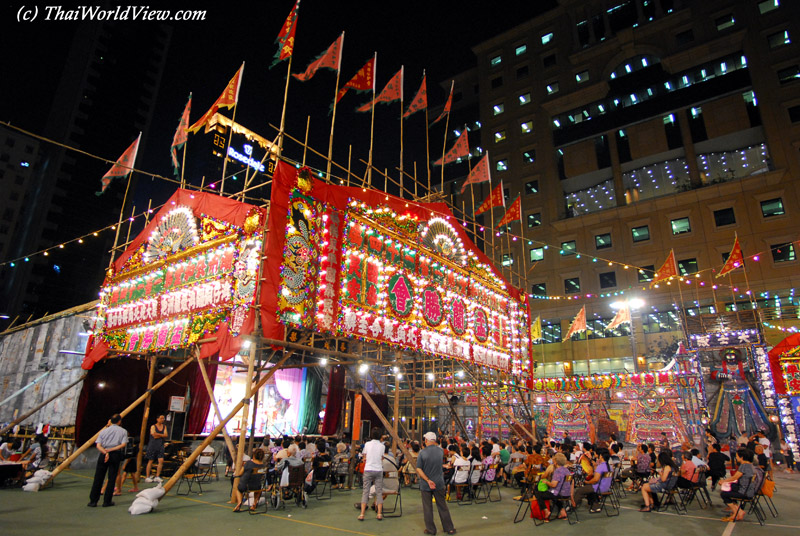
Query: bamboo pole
x=305 y=143
x=66 y=463
x=145 y=415
x=40 y=406
x=283 y=110
x=217 y=412
x=207 y=441
x=245 y=415
x=333 y=120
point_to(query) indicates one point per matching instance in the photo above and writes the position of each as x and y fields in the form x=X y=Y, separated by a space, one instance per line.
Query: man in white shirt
x=373 y=473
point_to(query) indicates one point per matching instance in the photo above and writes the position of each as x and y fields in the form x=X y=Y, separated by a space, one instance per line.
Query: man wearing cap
x=431 y=484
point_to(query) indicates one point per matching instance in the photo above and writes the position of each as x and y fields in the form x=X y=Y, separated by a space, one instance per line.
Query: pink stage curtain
x=201 y=402
x=289 y=383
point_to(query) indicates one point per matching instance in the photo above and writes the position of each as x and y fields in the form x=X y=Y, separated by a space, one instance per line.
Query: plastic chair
x=607 y=480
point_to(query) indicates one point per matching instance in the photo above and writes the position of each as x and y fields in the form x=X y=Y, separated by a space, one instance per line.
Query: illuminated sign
x=246 y=158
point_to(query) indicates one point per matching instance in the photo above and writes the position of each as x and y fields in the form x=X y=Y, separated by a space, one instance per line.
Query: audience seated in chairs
x=341 y=466
x=592 y=485
x=248 y=481
x=555 y=479
x=688 y=472
x=666 y=480
x=742 y=484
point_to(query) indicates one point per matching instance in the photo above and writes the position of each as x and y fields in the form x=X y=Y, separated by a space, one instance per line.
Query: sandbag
x=31 y=486
x=152 y=493
x=140 y=506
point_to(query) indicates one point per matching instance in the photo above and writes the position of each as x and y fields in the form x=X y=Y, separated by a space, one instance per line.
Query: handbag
x=542 y=486
x=768 y=488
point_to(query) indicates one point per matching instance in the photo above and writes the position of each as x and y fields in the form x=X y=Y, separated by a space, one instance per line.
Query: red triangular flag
x=668 y=270
x=285 y=39
x=623 y=315
x=391 y=92
x=480 y=173
x=495 y=199
x=228 y=99
x=447 y=105
x=180 y=134
x=578 y=324
x=330 y=59
x=364 y=80
x=420 y=101
x=735 y=259
x=460 y=149
x=122 y=166
x=513 y=213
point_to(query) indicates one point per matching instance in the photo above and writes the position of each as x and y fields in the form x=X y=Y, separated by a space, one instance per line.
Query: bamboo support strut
x=217 y=412
x=143 y=429
x=40 y=406
x=66 y=463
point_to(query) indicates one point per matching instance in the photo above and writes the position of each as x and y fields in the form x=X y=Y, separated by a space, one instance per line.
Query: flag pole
x=183 y=162
x=402 y=77
x=427 y=146
x=283 y=111
x=446 y=126
x=416 y=196
x=230 y=133
x=124 y=200
x=349 y=160
x=333 y=119
x=305 y=142
x=372 y=120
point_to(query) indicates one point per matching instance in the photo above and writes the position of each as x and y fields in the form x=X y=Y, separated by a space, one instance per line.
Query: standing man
x=431 y=484
x=373 y=473
x=155 y=449
x=110 y=442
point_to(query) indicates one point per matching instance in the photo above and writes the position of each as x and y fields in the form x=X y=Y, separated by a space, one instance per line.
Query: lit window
x=537 y=254
x=681 y=226
x=646 y=273
x=529 y=156
x=640 y=234
x=508 y=259
x=723 y=67
x=687 y=266
x=526 y=127
x=520 y=50
x=633 y=97
x=724 y=22
x=644 y=62
x=772 y=207
x=582 y=77
x=783 y=252
x=552 y=88
x=557 y=123
x=568 y=248
x=696 y=111
x=628 y=69
x=502 y=165
x=789 y=74
x=608 y=280
x=497 y=60
x=669 y=119
x=498 y=108
x=539 y=289
x=546 y=38
x=779 y=39
x=768 y=5
x=524 y=99
x=534 y=220
x=499 y=136
x=572 y=285
x=531 y=187
x=602 y=241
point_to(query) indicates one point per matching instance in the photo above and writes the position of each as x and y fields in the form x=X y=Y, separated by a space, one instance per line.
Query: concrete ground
x=62 y=510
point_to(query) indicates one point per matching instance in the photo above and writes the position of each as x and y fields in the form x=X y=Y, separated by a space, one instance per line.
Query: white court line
x=726 y=533
x=729 y=528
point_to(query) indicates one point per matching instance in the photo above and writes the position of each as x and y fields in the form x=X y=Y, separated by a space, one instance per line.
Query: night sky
x=203 y=56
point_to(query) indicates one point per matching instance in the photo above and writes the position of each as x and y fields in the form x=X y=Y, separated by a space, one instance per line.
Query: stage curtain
x=289 y=383
x=309 y=411
x=334 y=402
x=201 y=402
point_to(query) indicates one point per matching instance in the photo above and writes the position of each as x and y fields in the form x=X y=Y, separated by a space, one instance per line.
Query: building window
x=602 y=241
x=546 y=38
x=640 y=234
x=506 y=193
x=497 y=82
x=526 y=127
x=551 y=331
x=508 y=259
x=534 y=220
x=794 y=114
x=768 y=5
x=529 y=156
x=725 y=22
x=522 y=72
x=537 y=254
x=539 y=289
x=582 y=77
x=552 y=88
x=502 y=165
x=779 y=39
x=499 y=108
x=724 y=216
x=549 y=61
x=681 y=226
x=499 y=136
x=572 y=285
x=772 y=207
x=783 y=252
x=520 y=50
x=687 y=266
x=608 y=280
x=531 y=187
x=789 y=74
x=524 y=99
x=684 y=37
x=497 y=60
x=568 y=248
x=646 y=273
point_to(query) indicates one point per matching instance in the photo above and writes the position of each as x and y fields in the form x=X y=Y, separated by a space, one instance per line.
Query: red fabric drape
x=333 y=404
x=201 y=402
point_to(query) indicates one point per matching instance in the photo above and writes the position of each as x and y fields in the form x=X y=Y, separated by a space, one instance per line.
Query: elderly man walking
x=431 y=484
